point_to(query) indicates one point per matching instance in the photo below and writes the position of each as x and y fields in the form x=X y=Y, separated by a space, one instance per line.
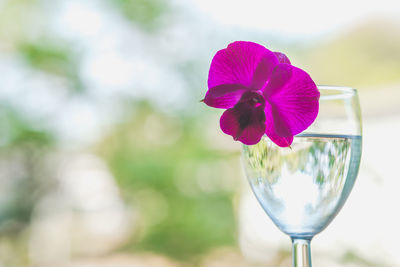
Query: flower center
x=253 y=98
x=250 y=109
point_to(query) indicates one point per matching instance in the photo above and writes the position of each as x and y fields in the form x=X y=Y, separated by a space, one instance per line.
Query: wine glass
x=303 y=187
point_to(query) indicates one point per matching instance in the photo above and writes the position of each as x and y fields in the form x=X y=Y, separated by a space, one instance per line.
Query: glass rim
x=331 y=92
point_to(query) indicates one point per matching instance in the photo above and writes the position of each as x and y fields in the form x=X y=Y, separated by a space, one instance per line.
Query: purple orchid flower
x=262 y=93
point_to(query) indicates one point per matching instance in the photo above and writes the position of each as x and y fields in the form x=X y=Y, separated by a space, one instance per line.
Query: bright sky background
x=306 y=18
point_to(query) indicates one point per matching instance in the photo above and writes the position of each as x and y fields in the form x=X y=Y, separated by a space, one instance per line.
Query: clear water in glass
x=303 y=187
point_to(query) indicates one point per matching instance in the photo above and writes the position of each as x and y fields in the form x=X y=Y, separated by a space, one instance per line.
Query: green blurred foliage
x=144 y=13
x=366 y=56
x=17 y=131
x=25 y=177
x=15 y=18
x=167 y=171
x=53 y=58
x=22 y=151
x=353 y=258
x=24 y=30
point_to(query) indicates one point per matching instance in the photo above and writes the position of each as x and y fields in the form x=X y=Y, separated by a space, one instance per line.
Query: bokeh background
x=107 y=158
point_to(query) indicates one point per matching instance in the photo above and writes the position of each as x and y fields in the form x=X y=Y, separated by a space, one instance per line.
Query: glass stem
x=301 y=252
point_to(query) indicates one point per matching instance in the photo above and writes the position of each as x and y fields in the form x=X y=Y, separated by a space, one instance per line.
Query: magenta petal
x=282 y=58
x=280 y=124
x=280 y=76
x=276 y=129
x=280 y=141
x=244 y=123
x=293 y=100
x=224 y=96
x=237 y=64
x=263 y=70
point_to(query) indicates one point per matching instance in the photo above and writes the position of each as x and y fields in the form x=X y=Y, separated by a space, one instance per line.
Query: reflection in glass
x=302 y=188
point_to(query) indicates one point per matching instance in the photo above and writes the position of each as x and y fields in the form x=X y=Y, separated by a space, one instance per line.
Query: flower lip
x=246 y=120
